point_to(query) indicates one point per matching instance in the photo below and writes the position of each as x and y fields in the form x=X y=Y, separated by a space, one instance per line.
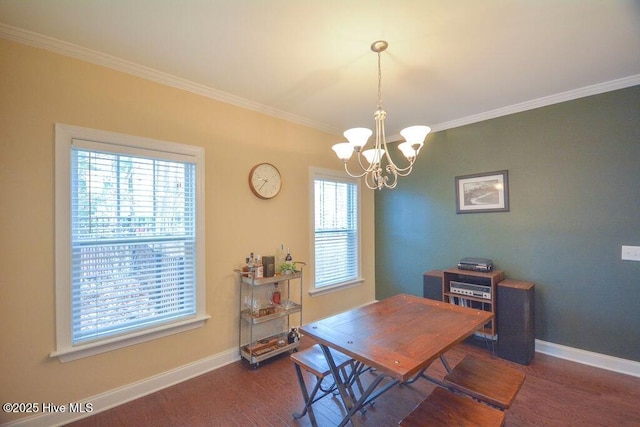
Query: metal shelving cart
x=265 y=325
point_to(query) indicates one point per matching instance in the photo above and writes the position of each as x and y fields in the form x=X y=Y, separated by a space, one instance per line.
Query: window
x=336 y=232
x=129 y=241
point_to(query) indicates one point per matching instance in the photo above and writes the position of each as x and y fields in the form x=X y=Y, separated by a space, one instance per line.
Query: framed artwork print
x=483 y=192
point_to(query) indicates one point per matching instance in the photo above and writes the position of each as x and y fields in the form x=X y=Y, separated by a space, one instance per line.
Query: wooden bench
x=312 y=360
x=446 y=408
x=486 y=380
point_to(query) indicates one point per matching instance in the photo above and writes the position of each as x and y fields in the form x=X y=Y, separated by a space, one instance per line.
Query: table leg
x=434 y=380
x=365 y=398
x=345 y=387
x=341 y=383
x=308 y=398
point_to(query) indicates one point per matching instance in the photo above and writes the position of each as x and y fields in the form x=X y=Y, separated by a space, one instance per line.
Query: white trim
x=338 y=176
x=541 y=102
x=314 y=292
x=65 y=137
x=597 y=360
x=64 y=48
x=74 y=353
x=69 y=49
x=127 y=393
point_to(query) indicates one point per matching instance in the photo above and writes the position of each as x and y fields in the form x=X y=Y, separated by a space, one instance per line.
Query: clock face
x=265 y=181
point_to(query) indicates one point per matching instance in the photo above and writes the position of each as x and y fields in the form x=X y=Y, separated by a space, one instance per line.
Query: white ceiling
x=448 y=62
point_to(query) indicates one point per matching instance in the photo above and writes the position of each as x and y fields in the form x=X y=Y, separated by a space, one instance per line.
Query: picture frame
x=482 y=192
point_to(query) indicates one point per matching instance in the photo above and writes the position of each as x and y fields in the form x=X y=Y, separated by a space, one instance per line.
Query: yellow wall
x=40 y=88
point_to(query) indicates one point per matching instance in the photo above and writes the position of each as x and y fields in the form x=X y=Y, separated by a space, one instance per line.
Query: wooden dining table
x=398 y=337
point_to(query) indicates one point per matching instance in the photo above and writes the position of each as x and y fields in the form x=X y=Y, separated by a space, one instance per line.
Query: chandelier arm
x=369 y=180
x=405 y=171
x=381 y=139
x=346 y=169
x=367 y=169
x=379 y=178
x=391 y=165
x=401 y=171
x=383 y=180
x=394 y=174
x=390 y=162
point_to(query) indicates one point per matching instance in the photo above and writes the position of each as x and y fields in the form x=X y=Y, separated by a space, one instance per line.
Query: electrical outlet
x=631 y=253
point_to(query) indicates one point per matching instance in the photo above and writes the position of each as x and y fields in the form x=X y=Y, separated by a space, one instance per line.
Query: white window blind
x=129 y=243
x=133 y=239
x=336 y=231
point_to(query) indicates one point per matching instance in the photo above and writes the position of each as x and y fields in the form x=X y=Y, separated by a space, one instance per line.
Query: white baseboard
x=113 y=398
x=603 y=361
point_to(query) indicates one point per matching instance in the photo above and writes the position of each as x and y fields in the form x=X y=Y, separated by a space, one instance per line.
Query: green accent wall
x=574 y=186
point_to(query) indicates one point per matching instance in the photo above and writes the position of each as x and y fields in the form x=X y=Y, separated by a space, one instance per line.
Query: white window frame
x=338 y=176
x=64 y=136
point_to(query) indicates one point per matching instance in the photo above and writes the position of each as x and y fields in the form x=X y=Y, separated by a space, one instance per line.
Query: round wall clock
x=265 y=180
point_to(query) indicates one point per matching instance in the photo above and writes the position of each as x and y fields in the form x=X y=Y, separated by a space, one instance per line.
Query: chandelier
x=377 y=175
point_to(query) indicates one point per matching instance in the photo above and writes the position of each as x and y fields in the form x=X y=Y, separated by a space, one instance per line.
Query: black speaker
x=432 y=285
x=516 y=321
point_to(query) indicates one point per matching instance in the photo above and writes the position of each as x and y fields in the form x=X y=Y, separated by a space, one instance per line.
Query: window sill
x=334 y=288
x=85 y=350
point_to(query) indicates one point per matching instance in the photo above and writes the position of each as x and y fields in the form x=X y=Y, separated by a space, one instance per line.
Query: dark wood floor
x=555 y=393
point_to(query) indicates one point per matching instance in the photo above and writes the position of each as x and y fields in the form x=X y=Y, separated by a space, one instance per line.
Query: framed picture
x=483 y=192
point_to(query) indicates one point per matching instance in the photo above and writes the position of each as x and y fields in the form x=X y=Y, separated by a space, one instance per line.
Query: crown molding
x=69 y=49
x=72 y=50
x=542 y=102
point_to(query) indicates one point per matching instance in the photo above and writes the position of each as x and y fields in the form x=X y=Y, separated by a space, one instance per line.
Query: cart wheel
x=255 y=365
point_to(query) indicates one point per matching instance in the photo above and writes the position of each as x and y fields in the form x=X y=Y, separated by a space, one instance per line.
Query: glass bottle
x=245 y=268
x=251 y=264
x=280 y=254
x=259 y=268
x=293 y=336
x=275 y=295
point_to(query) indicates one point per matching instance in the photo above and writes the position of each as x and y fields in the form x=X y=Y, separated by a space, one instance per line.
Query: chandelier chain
x=379 y=83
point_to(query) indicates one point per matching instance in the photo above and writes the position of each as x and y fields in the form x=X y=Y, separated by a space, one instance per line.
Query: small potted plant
x=287 y=268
